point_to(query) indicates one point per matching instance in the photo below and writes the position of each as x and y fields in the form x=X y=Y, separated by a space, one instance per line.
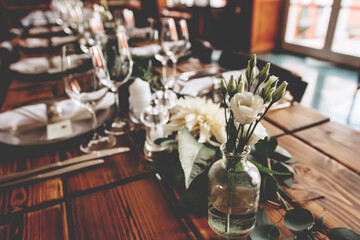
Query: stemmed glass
x=164 y=39
x=181 y=46
x=86 y=89
x=114 y=69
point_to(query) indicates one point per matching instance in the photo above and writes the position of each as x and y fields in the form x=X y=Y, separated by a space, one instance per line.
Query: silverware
x=71 y=161
x=54 y=173
x=186 y=76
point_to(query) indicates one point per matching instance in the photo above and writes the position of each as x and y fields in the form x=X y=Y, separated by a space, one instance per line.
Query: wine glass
x=114 y=69
x=87 y=90
x=181 y=46
x=163 y=38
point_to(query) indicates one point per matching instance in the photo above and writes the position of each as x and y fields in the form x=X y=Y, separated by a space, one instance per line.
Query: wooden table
x=122 y=199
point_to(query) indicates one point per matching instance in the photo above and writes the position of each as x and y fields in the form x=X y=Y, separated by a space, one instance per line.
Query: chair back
x=296 y=87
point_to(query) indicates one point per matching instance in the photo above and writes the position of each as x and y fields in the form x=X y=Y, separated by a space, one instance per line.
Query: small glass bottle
x=234 y=188
x=154 y=117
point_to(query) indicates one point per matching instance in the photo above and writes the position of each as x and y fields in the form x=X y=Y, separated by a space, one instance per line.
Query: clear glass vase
x=234 y=188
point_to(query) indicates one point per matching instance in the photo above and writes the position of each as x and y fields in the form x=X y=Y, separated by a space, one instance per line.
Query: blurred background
x=318 y=39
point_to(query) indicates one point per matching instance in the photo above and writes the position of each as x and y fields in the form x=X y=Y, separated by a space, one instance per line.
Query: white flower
x=246 y=107
x=203 y=119
x=259 y=133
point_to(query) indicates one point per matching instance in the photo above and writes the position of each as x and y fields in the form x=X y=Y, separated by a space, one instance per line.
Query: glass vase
x=234 y=187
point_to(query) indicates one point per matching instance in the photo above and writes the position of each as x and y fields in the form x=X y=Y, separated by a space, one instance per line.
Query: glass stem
x=115 y=90
x=164 y=65
x=174 y=61
x=94 y=121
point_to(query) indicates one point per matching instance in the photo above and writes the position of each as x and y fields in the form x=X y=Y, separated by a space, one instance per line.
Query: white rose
x=259 y=133
x=246 y=107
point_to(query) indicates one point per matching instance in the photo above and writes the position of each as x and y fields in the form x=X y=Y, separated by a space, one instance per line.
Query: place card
x=59 y=130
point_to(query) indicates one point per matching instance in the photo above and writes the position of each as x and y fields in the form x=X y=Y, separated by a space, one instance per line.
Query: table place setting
x=55 y=41
x=40 y=124
x=196 y=136
x=43 y=65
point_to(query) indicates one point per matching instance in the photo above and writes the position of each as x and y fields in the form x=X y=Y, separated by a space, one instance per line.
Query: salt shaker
x=154 y=117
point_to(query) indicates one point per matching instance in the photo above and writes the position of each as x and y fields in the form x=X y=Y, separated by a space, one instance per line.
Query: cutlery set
x=59 y=168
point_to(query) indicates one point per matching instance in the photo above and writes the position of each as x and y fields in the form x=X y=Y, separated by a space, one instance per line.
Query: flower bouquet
x=252 y=166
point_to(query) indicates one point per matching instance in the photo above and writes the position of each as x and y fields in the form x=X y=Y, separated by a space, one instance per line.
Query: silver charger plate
x=38 y=136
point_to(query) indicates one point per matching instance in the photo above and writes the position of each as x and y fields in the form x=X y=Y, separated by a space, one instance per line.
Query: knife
x=54 y=173
x=186 y=76
x=83 y=158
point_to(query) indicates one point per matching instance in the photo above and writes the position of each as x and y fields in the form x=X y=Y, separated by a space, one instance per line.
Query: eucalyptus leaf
x=195 y=197
x=343 y=234
x=194 y=156
x=298 y=219
x=265 y=232
x=266 y=147
x=262 y=217
x=170 y=144
x=158 y=141
x=268 y=188
x=266 y=170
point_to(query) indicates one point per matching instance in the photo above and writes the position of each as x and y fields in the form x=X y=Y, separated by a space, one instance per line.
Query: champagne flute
x=114 y=70
x=87 y=90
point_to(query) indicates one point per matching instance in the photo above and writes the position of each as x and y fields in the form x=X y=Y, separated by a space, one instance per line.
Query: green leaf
x=265 y=232
x=194 y=156
x=268 y=188
x=261 y=217
x=265 y=148
x=298 y=219
x=158 y=141
x=266 y=170
x=343 y=234
x=169 y=167
x=195 y=198
x=170 y=144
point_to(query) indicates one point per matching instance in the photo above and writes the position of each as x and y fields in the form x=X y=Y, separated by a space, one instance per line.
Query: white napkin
x=39 y=65
x=194 y=86
x=33 y=116
x=34 y=42
x=145 y=51
x=140 y=32
x=43 y=42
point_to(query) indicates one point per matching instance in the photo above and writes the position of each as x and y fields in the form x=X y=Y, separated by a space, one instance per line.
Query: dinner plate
x=38 y=136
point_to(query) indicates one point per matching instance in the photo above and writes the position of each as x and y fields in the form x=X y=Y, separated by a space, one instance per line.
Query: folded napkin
x=40 y=65
x=140 y=32
x=33 y=116
x=145 y=51
x=43 y=30
x=44 y=43
x=195 y=86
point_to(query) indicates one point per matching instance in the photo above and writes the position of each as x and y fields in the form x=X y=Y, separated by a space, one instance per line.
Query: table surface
x=123 y=199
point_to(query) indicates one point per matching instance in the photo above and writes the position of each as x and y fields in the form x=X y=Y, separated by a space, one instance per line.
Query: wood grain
x=295 y=117
x=274 y=131
x=49 y=223
x=28 y=195
x=44 y=224
x=318 y=175
x=336 y=140
x=115 y=168
x=137 y=210
x=16 y=98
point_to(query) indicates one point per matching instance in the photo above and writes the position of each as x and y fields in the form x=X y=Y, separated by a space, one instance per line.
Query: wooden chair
x=296 y=87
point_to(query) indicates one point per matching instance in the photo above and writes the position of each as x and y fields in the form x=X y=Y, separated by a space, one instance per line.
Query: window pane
x=308 y=22
x=347 y=31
